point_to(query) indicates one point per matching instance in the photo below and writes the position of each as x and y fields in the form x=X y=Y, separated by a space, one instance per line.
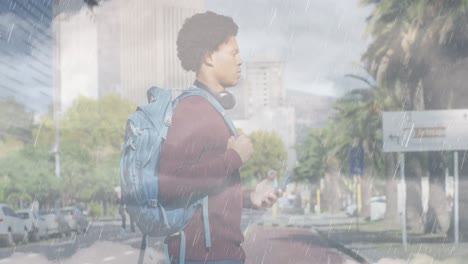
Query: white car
x=12 y=228
x=35 y=224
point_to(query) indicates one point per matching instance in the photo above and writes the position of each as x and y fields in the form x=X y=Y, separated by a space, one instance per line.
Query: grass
x=377 y=240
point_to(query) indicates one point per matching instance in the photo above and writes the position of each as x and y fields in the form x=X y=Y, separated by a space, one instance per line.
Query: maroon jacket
x=195 y=162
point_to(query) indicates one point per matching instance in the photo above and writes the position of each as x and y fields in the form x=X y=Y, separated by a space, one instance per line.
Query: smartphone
x=285 y=182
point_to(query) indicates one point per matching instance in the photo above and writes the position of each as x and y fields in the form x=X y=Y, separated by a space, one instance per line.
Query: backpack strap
x=182 y=247
x=206 y=223
x=194 y=91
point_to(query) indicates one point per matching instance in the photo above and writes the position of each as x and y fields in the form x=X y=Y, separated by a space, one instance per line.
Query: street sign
x=425 y=131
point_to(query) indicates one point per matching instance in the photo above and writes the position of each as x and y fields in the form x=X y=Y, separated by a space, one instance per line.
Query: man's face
x=226 y=62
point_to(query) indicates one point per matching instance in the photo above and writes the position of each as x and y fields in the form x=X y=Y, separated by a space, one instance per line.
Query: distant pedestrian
x=123 y=215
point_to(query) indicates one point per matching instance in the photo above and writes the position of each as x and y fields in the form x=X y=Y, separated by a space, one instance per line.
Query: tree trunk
x=438 y=215
x=391 y=213
x=101 y=203
x=366 y=189
x=414 y=209
x=392 y=217
x=106 y=207
x=331 y=197
x=331 y=193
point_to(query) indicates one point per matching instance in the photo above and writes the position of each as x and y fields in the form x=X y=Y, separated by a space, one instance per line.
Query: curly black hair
x=200 y=34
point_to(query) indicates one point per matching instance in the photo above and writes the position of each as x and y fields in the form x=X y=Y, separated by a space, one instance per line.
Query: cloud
x=78 y=56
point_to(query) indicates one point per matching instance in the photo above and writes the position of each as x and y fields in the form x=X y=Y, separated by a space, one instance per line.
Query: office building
x=263 y=85
x=145 y=37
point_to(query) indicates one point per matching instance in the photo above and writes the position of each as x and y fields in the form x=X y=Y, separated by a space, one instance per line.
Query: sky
x=319 y=41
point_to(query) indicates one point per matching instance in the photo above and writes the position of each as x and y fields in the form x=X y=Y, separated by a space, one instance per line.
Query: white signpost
x=416 y=131
x=425 y=131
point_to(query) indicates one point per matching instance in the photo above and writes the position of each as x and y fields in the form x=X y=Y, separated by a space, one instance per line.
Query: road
x=102 y=244
x=59 y=249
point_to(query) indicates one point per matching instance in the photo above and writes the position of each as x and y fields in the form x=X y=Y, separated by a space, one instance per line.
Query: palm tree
x=359 y=115
x=423 y=45
x=413 y=43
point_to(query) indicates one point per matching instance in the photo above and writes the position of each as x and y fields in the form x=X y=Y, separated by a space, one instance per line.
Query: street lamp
x=57 y=84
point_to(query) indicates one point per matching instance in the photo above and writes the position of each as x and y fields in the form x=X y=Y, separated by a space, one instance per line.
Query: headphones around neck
x=225 y=98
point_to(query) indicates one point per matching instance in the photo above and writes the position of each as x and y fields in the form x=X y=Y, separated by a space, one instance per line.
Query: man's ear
x=208 y=59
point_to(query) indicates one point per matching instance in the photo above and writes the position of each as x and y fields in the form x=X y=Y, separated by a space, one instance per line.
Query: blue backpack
x=145 y=134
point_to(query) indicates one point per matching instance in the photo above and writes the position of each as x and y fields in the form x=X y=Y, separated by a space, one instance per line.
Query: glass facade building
x=26 y=52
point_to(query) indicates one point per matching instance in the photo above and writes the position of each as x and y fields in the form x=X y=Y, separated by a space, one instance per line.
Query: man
x=200 y=156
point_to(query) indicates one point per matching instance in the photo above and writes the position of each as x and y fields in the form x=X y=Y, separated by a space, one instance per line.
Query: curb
x=107 y=219
x=351 y=253
x=275 y=224
x=285 y=222
x=101 y=223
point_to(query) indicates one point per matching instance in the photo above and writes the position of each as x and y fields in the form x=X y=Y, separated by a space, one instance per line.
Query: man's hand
x=242 y=146
x=265 y=195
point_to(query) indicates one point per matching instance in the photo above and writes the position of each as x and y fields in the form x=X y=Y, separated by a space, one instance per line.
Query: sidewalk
x=282 y=245
x=377 y=242
x=374 y=242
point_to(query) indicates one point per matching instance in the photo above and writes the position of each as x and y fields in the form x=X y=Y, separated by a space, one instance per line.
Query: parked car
x=12 y=228
x=75 y=218
x=35 y=224
x=56 y=223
